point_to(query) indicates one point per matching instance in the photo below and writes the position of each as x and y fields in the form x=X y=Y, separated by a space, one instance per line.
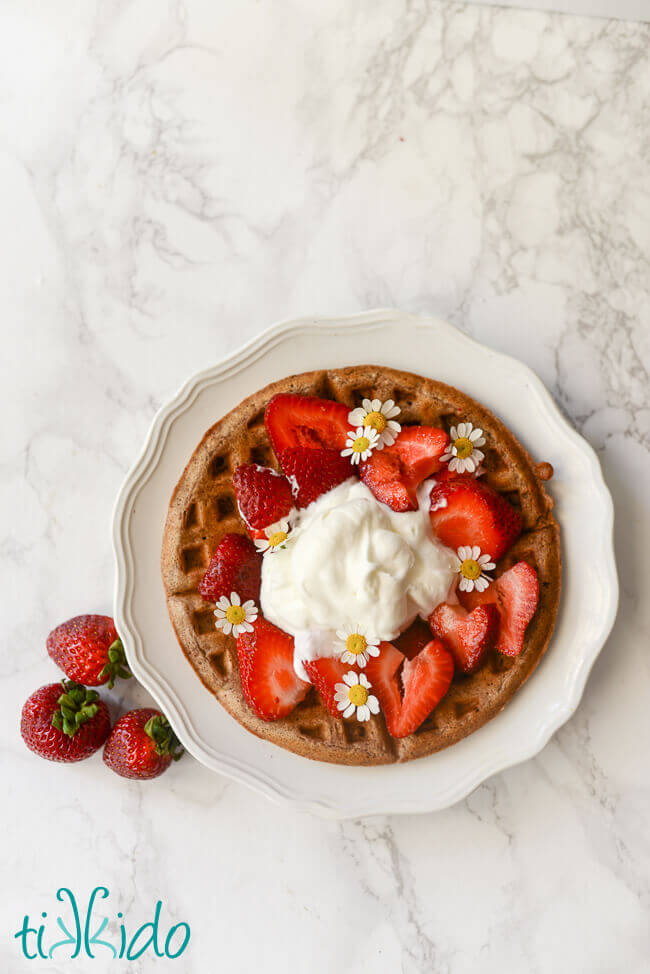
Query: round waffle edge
x=203 y=508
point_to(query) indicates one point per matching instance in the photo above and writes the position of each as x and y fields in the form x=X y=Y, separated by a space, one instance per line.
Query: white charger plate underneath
x=428 y=347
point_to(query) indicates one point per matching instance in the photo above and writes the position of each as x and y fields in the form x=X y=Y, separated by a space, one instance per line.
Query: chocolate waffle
x=203 y=509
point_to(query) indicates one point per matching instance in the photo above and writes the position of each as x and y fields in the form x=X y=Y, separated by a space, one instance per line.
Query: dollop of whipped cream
x=350 y=560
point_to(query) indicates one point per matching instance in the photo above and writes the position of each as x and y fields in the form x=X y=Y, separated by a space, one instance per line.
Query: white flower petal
x=376 y=405
x=350 y=679
x=373 y=704
x=465 y=584
x=223 y=602
x=349 y=710
x=227 y=627
x=476 y=551
x=356 y=417
x=464 y=552
x=356 y=457
x=234 y=599
x=470 y=464
x=363 y=712
x=489 y=566
x=481 y=583
x=347 y=657
x=362 y=659
x=462 y=430
x=478 y=455
x=372 y=650
x=363 y=680
x=453 y=433
x=367 y=406
x=454 y=464
x=475 y=434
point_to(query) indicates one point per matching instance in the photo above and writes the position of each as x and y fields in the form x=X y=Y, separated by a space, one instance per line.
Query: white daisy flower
x=233 y=617
x=463 y=454
x=275 y=537
x=357 y=646
x=379 y=416
x=360 y=443
x=352 y=695
x=472 y=565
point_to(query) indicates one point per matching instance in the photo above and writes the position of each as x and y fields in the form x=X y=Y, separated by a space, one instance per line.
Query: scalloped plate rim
x=145 y=466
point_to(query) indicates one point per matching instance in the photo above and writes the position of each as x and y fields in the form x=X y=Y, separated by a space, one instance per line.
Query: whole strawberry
x=64 y=722
x=142 y=745
x=88 y=650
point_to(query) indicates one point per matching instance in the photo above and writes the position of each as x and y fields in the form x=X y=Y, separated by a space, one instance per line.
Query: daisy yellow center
x=464 y=447
x=376 y=420
x=356 y=644
x=235 y=615
x=358 y=695
x=361 y=444
x=470 y=569
x=277 y=538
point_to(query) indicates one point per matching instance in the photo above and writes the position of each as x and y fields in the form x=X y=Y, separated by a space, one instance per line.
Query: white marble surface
x=177 y=175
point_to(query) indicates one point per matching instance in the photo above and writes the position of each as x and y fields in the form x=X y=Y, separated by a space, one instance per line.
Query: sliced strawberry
x=325 y=673
x=516 y=595
x=394 y=473
x=419 y=449
x=424 y=681
x=314 y=472
x=465 y=511
x=382 y=473
x=236 y=566
x=268 y=679
x=263 y=496
x=413 y=639
x=382 y=673
x=306 y=421
x=468 y=635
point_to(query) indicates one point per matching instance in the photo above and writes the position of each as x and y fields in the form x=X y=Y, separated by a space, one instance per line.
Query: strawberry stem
x=160 y=731
x=116 y=664
x=76 y=706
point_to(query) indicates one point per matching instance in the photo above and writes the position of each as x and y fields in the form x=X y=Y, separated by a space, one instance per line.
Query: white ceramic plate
x=435 y=349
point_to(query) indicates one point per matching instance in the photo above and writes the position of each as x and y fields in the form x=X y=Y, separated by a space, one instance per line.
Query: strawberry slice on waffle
x=325 y=673
x=407 y=697
x=516 y=596
x=313 y=472
x=394 y=473
x=263 y=496
x=268 y=679
x=235 y=566
x=464 y=511
x=306 y=421
x=468 y=635
x=413 y=639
